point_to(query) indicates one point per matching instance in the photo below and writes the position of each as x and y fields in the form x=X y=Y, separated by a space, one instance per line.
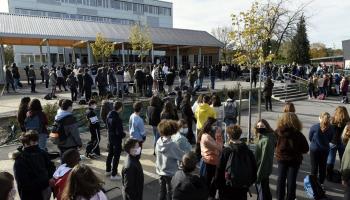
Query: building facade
x=152 y=13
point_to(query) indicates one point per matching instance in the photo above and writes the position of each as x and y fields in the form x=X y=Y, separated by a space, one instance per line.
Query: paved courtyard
x=307 y=111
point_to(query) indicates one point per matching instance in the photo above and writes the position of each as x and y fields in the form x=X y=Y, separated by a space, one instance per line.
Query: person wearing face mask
x=115 y=137
x=92 y=148
x=180 y=137
x=7 y=189
x=132 y=172
x=69 y=124
x=264 y=153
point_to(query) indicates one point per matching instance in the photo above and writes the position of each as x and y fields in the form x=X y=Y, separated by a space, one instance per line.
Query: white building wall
x=153 y=20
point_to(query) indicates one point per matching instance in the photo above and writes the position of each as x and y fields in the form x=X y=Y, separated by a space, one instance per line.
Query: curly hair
x=289 y=120
x=341 y=116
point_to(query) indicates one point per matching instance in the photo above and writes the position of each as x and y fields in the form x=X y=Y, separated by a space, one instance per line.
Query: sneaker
x=108 y=173
x=116 y=177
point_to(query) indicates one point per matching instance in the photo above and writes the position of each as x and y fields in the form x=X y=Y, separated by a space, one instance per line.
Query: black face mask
x=261 y=130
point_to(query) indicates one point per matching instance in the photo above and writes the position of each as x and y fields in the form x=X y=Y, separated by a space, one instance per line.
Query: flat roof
x=31 y=30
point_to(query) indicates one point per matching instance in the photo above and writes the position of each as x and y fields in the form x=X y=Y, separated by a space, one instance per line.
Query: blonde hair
x=289 y=120
x=325 y=121
x=346 y=134
x=289 y=107
x=341 y=116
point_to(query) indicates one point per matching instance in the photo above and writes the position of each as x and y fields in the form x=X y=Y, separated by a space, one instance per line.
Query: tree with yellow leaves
x=249 y=35
x=140 y=40
x=101 y=48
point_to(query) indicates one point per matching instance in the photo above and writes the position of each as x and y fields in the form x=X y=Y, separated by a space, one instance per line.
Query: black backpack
x=240 y=169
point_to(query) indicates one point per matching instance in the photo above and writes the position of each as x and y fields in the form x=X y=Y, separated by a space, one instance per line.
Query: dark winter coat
x=115 y=128
x=107 y=106
x=169 y=116
x=32 y=169
x=88 y=82
x=101 y=80
x=153 y=115
x=242 y=149
x=187 y=186
x=132 y=179
x=15 y=73
x=291 y=145
x=170 y=78
x=72 y=81
x=187 y=113
x=9 y=77
x=268 y=86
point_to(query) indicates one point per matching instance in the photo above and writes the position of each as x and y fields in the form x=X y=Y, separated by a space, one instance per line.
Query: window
x=27 y=59
x=72 y=1
x=93 y=3
x=79 y=1
x=37 y=58
x=60 y=58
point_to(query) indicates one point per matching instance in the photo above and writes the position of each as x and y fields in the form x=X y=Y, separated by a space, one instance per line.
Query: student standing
x=93 y=148
x=320 y=136
x=88 y=83
x=115 y=137
x=153 y=115
x=345 y=163
x=72 y=82
x=132 y=172
x=136 y=124
x=291 y=145
x=32 y=78
x=264 y=154
x=167 y=156
x=180 y=137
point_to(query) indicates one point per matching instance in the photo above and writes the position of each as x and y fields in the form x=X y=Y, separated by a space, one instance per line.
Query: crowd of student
x=185 y=136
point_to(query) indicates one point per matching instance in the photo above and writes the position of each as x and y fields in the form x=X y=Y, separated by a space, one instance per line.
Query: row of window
x=122 y=5
x=73 y=16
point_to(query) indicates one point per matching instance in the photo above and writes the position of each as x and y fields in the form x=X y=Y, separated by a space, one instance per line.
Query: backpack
x=240 y=171
x=58 y=135
x=230 y=110
x=33 y=123
x=313 y=188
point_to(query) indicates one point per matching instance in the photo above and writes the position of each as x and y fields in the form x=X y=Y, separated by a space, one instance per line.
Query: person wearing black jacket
x=88 y=83
x=16 y=76
x=140 y=79
x=212 y=76
x=80 y=78
x=132 y=172
x=32 y=169
x=9 y=80
x=73 y=85
x=237 y=149
x=186 y=184
x=170 y=78
x=188 y=115
x=115 y=137
x=101 y=81
x=26 y=69
x=268 y=87
x=153 y=115
x=93 y=149
x=42 y=73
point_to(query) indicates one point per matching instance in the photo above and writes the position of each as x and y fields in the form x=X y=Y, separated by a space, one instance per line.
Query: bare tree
x=280 y=22
x=223 y=35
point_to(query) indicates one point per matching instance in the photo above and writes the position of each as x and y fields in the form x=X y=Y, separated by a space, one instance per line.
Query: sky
x=328 y=20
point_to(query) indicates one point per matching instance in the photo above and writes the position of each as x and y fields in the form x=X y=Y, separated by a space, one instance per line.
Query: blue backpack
x=33 y=123
x=313 y=188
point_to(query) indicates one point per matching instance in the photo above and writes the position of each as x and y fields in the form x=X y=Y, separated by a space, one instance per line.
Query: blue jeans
x=333 y=153
x=155 y=135
x=42 y=141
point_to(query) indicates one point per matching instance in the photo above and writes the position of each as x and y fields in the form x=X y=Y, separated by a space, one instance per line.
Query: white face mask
x=136 y=151
x=12 y=194
x=184 y=131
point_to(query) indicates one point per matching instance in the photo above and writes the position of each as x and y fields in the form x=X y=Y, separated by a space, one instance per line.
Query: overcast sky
x=329 y=21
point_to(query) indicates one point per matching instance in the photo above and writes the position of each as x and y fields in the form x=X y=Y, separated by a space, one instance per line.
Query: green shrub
x=50 y=110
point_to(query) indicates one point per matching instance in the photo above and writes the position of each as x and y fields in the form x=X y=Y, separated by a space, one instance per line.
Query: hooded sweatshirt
x=60 y=177
x=187 y=186
x=71 y=128
x=203 y=112
x=167 y=156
